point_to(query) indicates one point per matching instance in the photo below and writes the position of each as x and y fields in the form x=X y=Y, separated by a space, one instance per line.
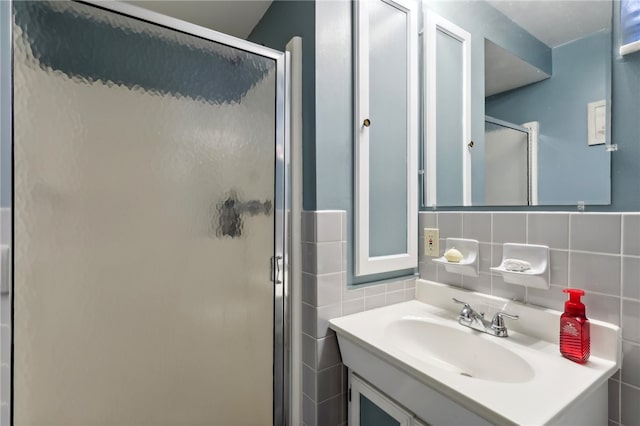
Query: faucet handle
x=461 y=302
x=498 y=316
x=467 y=307
x=465 y=316
x=497 y=323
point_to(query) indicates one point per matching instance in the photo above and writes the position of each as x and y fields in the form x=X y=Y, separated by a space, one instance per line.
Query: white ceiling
x=233 y=17
x=557 y=22
x=552 y=22
x=504 y=71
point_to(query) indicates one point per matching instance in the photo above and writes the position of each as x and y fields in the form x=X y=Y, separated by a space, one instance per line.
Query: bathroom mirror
x=541 y=75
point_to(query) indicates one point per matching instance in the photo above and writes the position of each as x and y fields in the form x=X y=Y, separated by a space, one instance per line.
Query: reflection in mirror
x=447 y=111
x=544 y=62
x=506 y=159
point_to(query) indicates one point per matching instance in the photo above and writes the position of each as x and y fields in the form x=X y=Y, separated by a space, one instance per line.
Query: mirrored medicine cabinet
x=386 y=135
x=517 y=103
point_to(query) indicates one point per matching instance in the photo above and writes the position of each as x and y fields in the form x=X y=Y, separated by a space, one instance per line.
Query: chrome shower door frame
x=281 y=338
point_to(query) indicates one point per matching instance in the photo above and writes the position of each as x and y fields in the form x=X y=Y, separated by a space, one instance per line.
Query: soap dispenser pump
x=575 y=341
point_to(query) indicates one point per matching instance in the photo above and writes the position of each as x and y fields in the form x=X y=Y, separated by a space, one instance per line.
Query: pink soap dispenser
x=575 y=341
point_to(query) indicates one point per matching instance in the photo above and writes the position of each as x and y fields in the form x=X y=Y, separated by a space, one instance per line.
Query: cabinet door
x=368 y=407
x=386 y=136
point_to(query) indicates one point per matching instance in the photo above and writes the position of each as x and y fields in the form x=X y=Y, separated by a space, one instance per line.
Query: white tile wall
x=599 y=233
x=599 y=252
x=549 y=229
x=508 y=228
x=325 y=295
x=5 y=330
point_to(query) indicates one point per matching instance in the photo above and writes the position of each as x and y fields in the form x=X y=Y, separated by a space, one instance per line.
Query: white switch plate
x=431 y=242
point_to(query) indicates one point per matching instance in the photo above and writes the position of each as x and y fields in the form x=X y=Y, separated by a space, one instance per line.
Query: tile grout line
x=597 y=293
x=621 y=313
x=597 y=253
x=632 y=343
x=344 y=263
x=330 y=398
x=630 y=256
x=342 y=284
x=526 y=238
x=630 y=385
x=491 y=256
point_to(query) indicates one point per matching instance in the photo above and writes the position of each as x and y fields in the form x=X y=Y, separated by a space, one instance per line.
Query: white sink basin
x=464 y=353
x=417 y=353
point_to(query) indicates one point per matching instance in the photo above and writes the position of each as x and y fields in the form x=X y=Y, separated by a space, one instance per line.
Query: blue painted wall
x=569 y=169
x=281 y=22
x=334 y=105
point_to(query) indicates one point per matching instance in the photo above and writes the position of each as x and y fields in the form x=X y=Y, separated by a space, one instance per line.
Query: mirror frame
x=434 y=23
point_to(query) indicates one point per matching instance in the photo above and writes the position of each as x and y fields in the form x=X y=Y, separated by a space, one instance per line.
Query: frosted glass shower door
x=145 y=216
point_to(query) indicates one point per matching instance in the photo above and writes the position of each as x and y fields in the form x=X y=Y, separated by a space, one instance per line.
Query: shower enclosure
x=149 y=184
x=510 y=156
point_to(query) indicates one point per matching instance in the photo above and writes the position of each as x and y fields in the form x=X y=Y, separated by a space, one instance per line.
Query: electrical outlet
x=431 y=242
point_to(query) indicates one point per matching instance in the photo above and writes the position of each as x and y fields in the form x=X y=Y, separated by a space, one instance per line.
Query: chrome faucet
x=472 y=319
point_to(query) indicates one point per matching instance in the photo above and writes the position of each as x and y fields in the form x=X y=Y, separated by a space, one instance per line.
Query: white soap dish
x=538 y=256
x=468 y=265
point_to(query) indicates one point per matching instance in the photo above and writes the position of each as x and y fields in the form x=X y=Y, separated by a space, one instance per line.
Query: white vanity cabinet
x=392 y=384
x=368 y=406
x=417 y=357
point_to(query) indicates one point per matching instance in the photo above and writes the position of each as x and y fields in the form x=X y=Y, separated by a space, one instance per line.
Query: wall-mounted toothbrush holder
x=525 y=264
x=469 y=264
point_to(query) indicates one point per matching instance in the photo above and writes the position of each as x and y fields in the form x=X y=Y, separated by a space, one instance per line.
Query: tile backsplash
x=325 y=296
x=598 y=252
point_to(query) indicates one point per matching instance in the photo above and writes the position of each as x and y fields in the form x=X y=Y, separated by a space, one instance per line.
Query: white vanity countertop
x=555 y=383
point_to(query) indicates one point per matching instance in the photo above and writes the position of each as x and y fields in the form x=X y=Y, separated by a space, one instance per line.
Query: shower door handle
x=276 y=269
x=227 y=217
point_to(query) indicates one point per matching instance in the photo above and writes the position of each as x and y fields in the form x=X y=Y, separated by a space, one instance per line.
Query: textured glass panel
x=5 y=105
x=449 y=126
x=506 y=160
x=5 y=204
x=144 y=185
x=388 y=55
x=372 y=415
